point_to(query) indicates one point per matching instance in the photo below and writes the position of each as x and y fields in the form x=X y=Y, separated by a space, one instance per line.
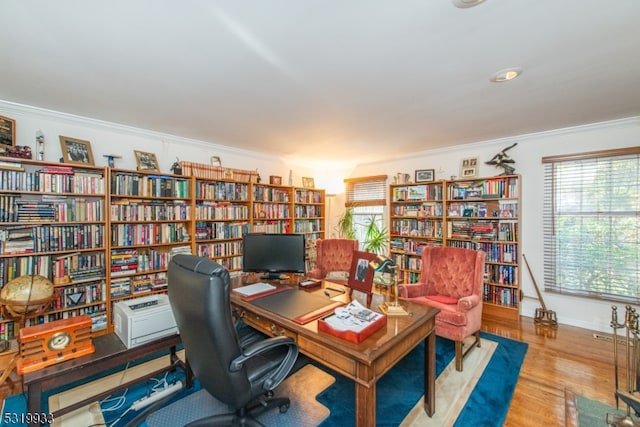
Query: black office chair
x=239 y=372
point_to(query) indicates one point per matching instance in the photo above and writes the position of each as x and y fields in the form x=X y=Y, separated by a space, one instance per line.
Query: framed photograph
x=308 y=182
x=76 y=151
x=360 y=274
x=275 y=180
x=7 y=132
x=146 y=161
x=469 y=167
x=425 y=175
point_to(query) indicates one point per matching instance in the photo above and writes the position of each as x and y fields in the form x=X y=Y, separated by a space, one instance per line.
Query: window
x=592 y=224
x=367 y=197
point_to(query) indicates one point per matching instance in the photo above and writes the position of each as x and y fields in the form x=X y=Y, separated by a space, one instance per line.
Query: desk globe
x=25 y=295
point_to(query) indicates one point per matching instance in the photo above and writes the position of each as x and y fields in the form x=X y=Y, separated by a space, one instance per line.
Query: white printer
x=140 y=320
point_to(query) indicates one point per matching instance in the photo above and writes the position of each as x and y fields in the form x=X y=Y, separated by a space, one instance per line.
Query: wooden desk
x=364 y=363
x=110 y=353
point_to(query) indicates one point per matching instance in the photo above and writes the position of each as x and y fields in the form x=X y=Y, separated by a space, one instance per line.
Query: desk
x=110 y=353
x=364 y=363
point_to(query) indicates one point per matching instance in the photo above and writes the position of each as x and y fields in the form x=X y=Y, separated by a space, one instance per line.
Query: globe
x=26 y=294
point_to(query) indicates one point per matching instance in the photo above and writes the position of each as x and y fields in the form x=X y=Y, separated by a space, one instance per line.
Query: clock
x=59 y=341
x=53 y=342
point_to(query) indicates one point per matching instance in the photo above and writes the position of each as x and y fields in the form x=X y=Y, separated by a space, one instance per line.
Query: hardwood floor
x=569 y=359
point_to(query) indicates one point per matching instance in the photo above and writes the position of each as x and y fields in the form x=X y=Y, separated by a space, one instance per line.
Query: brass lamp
x=382 y=264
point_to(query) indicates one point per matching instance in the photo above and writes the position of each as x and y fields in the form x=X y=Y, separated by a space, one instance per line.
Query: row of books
x=13 y=267
x=308 y=211
x=307 y=226
x=77 y=296
x=215 y=250
x=50 y=238
x=501 y=296
x=133 y=184
x=76 y=181
x=407 y=262
x=416 y=228
x=229 y=191
x=148 y=234
x=504 y=231
x=96 y=312
x=271 y=226
x=307 y=196
x=270 y=194
x=221 y=230
x=231 y=263
x=506 y=187
x=501 y=274
x=417 y=192
x=150 y=210
x=411 y=246
x=212 y=210
x=271 y=210
x=50 y=209
x=78 y=266
x=202 y=170
x=421 y=210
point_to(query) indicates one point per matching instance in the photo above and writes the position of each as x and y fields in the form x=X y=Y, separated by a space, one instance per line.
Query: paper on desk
x=254 y=289
x=352 y=317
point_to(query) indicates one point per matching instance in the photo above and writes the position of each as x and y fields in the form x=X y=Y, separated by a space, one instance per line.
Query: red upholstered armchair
x=451 y=280
x=333 y=256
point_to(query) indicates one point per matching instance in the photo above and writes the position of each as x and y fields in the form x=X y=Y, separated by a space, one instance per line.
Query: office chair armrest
x=266 y=345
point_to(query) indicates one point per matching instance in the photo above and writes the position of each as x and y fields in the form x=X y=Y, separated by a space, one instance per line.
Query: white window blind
x=366 y=191
x=592 y=224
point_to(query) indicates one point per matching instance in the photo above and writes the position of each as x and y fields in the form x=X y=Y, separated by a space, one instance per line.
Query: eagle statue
x=502 y=160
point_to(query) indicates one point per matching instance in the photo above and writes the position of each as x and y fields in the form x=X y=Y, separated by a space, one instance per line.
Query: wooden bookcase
x=103 y=235
x=221 y=220
x=53 y=222
x=150 y=219
x=415 y=221
x=483 y=214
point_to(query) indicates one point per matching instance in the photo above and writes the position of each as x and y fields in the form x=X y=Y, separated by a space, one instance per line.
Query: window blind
x=366 y=191
x=592 y=224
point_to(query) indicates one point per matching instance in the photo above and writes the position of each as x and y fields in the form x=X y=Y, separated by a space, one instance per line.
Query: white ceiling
x=325 y=79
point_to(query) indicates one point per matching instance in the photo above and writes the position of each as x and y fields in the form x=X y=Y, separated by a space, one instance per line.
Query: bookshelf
x=150 y=219
x=53 y=220
x=415 y=221
x=483 y=214
x=271 y=210
x=221 y=220
x=309 y=218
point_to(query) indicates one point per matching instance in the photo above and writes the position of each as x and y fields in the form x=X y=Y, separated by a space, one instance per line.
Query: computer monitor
x=273 y=254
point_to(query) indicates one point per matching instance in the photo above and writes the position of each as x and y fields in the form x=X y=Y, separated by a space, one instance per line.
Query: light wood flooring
x=568 y=359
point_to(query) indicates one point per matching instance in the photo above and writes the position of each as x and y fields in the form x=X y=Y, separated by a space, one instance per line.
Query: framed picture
x=7 y=132
x=360 y=274
x=469 y=167
x=308 y=182
x=76 y=151
x=275 y=180
x=146 y=161
x=425 y=175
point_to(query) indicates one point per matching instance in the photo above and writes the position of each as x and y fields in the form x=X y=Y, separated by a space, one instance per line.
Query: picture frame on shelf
x=425 y=175
x=275 y=180
x=7 y=132
x=146 y=161
x=308 y=182
x=76 y=151
x=469 y=167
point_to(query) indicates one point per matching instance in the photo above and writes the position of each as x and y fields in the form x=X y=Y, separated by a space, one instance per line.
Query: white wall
x=110 y=138
x=576 y=311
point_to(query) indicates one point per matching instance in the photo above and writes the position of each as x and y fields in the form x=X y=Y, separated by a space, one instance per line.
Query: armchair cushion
x=443 y=299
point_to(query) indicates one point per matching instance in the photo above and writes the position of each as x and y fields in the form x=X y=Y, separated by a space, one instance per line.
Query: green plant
x=376 y=237
x=346 y=226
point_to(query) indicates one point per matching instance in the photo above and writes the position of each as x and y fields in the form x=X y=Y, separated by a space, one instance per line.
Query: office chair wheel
x=284 y=408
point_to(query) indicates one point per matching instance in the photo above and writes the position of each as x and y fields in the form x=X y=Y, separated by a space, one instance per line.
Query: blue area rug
x=398 y=390
x=402 y=387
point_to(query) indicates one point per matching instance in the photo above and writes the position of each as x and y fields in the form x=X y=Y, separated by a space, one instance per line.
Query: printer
x=140 y=320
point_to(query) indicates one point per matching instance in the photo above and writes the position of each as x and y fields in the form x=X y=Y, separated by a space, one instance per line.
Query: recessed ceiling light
x=463 y=4
x=506 y=75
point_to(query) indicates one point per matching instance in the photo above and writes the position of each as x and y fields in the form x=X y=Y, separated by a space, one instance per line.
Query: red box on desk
x=356 y=337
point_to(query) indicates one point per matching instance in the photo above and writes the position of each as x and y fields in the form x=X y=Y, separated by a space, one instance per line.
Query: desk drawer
x=264 y=325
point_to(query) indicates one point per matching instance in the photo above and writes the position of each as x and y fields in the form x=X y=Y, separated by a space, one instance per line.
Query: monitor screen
x=273 y=254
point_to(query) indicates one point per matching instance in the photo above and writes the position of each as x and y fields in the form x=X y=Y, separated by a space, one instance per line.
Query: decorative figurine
x=40 y=144
x=502 y=160
x=111 y=159
x=176 y=168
